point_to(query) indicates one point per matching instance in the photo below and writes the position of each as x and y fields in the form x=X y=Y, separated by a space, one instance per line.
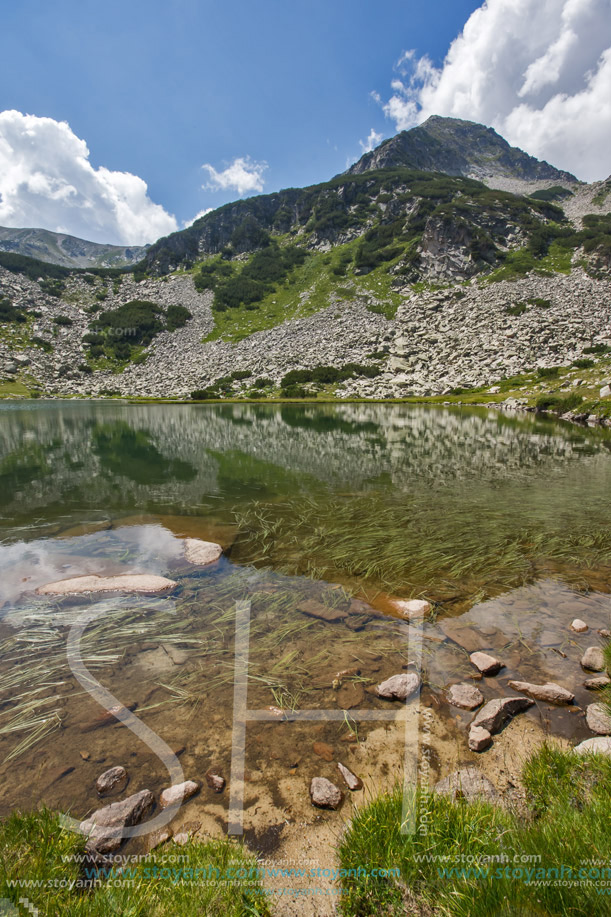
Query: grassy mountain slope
x=68 y=251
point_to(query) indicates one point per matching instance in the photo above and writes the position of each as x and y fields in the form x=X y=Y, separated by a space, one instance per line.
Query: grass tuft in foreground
x=480 y=860
x=43 y=862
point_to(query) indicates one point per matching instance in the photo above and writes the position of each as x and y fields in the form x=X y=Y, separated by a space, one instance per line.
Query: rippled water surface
x=502 y=522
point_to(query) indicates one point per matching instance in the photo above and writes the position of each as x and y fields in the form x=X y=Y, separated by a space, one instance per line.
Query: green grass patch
x=518 y=309
x=34 y=848
x=474 y=859
x=557 y=193
x=14 y=389
x=309 y=288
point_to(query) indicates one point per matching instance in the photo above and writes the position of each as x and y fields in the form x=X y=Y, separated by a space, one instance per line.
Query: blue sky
x=160 y=89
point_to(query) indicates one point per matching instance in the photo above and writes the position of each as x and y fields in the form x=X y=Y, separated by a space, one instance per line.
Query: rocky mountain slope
x=59 y=248
x=384 y=283
x=459 y=147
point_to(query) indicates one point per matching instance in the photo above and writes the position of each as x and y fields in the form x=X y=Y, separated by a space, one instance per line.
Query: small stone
x=499 y=711
x=85 y=755
x=412 y=608
x=468 y=697
x=325 y=794
x=466 y=783
x=323 y=751
x=579 y=626
x=399 y=687
x=125 y=582
x=352 y=781
x=600 y=745
x=598 y=719
x=201 y=552
x=479 y=738
x=593 y=659
x=597 y=683
x=215 y=782
x=178 y=793
x=115 y=778
x=605 y=633
x=549 y=693
x=486 y=664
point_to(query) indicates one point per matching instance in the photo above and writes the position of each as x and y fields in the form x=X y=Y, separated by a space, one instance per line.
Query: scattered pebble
x=115 y=778
x=487 y=665
x=352 y=781
x=412 y=608
x=597 y=683
x=215 y=782
x=593 y=659
x=325 y=794
x=550 y=693
x=468 y=697
x=499 y=711
x=178 y=793
x=579 y=626
x=598 y=719
x=201 y=552
x=479 y=738
x=399 y=687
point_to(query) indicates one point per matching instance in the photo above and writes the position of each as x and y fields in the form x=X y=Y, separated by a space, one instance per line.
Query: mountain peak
x=458 y=147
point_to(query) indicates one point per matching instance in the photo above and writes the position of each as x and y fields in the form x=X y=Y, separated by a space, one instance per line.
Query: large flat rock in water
x=124 y=582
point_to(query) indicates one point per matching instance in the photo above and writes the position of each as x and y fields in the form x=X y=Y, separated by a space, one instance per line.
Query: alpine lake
x=501 y=522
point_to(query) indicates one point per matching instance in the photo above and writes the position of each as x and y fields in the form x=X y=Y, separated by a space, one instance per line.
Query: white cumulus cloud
x=242 y=175
x=372 y=141
x=47 y=181
x=538 y=71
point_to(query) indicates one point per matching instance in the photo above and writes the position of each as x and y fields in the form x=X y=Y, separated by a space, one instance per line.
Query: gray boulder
x=399 y=687
x=468 y=697
x=550 y=693
x=105 y=827
x=487 y=665
x=325 y=794
x=593 y=659
x=499 y=711
x=598 y=719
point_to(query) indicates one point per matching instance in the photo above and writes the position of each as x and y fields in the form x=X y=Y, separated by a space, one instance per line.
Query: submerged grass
x=475 y=859
x=399 y=547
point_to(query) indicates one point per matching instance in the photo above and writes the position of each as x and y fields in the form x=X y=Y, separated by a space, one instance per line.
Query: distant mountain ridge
x=458 y=147
x=68 y=251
